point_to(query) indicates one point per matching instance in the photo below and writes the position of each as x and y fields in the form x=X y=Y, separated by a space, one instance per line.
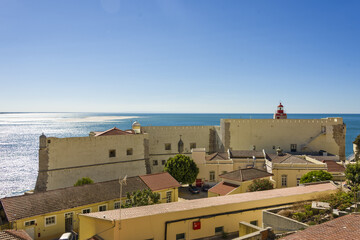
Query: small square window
x=255 y=222
x=192 y=145
x=163 y=162
x=29 y=223
x=112 y=153
x=50 y=221
x=167 y=146
x=219 y=230
x=180 y=236
x=155 y=162
x=293 y=147
x=116 y=205
x=129 y=151
x=49 y=141
x=87 y=210
x=102 y=208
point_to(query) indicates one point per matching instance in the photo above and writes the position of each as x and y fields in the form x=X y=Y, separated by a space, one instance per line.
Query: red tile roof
x=113 y=131
x=217 y=156
x=14 y=235
x=223 y=188
x=334 y=166
x=159 y=181
x=346 y=227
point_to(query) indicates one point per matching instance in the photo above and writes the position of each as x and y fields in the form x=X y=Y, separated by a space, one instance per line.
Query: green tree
x=260 y=185
x=315 y=176
x=182 y=168
x=83 y=181
x=357 y=143
x=141 y=198
x=352 y=174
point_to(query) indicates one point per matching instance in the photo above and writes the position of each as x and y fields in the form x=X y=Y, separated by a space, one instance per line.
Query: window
x=297 y=181
x=155 y=162
x=212 y=176
x=102 y=208
x=163 y=162
x=49 y=141
x=293 y=147
x=112 y=153
x=168 y=196
x=180 y=236
x=86 y=210
x=323 y=129
x=29 y=223
x=50 y=221
x=219 y=230
x=129 y=151
x=254 y=147
x=273 y=147
x=255 y=222
x=284 y=180
x=192 y=145
x=167 y=146
x=116 y=205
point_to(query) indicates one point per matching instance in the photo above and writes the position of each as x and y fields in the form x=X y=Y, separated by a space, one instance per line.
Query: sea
x=19 y=135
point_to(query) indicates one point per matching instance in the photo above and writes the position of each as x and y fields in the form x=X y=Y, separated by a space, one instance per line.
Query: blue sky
x=180 y=56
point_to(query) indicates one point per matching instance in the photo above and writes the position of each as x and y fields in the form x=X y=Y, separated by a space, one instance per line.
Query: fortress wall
x=98 y=173
x=83 y=151
x=161 y=135
x=267 y=133
x=64 y=160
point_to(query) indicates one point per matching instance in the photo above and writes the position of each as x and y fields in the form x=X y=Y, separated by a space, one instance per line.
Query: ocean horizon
x=20 y=131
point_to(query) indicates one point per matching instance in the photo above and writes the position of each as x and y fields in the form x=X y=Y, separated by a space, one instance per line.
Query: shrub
x=83 y=181
x=260 y=185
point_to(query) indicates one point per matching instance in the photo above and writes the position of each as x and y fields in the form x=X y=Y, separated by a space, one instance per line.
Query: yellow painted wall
x=174 y=194
x=89 y=157
x=267 y=133
x=160 y=135
x=292 y=175
x=153 y=226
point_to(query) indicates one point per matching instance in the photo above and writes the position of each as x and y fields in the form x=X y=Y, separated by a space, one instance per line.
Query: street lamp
x=121 y=181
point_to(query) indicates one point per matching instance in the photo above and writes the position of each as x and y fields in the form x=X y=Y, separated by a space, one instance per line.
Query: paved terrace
x=215 y=202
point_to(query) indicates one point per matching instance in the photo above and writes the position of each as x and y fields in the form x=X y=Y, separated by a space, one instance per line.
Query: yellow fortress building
x=104 y=156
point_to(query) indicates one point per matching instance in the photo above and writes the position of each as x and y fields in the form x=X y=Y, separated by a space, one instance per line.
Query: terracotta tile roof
x=334 y=166
x=159 y=181
x=346 y=227
x=246 y=174
x=217 y=156
x=287 y=158
x=321 y=158
x=214 y=202
x=14 y=235
x=113 y=131
x=246 y=154
x=24 y=206
x=223 y=188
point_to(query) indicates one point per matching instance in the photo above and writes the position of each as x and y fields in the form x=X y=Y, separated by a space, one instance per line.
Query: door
x=68 y=222
x=30 y=231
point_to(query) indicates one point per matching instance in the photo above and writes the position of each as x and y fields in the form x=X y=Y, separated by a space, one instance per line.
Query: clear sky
x=180 y=56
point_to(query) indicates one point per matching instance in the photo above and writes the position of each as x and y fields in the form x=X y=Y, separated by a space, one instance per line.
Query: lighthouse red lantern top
x=280 y=113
